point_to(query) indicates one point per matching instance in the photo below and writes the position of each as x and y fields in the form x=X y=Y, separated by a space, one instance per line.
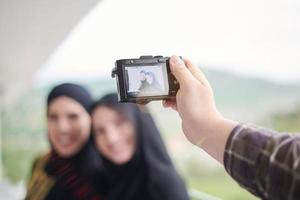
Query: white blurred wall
x=29 y=32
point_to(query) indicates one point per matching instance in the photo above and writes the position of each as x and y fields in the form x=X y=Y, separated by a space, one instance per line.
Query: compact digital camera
x=144 y=79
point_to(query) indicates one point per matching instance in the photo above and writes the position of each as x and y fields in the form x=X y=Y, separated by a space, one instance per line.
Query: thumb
x=180 y=71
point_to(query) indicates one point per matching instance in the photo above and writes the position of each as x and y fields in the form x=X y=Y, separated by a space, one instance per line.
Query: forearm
x=264 y=162
x=215 y=138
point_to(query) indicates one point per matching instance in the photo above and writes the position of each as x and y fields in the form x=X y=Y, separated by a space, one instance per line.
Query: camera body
x=144 y=79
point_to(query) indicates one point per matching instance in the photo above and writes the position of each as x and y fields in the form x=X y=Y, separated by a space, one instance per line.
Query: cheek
x=102 y=145
x=51 y=127
x=82 y=129
x=86 y=130
x=51 y=136
x=129 y=137
x=52 y=133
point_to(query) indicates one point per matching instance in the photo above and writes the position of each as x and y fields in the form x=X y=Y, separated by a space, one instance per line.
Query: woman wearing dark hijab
x=135 y=164
x=64 y=172
x=143 y=81
x=150 y=85
x=154 y=86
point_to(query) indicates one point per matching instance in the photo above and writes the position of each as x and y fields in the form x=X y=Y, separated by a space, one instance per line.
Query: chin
x=66 y=153
x=122 y=161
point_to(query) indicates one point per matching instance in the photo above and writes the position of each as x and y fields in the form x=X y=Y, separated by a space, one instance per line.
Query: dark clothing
x=264 y=162
x=146 y=87
x=150 y=174
x=55 y=178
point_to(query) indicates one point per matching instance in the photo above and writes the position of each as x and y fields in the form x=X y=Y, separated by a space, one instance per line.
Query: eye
x=120 y=121
x=99 y=131
x=73 y=116
x=52 y=117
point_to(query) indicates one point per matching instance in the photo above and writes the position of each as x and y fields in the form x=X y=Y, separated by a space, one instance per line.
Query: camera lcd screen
x=147 y=80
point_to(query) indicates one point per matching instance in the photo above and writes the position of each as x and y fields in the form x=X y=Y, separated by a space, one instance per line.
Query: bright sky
x=253 y=37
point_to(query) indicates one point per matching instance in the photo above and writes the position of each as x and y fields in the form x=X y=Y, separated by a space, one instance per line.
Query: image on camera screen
x=151 y=80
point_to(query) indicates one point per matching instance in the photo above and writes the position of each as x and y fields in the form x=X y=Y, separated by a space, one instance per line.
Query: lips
x=65 y=140
x=118 y=148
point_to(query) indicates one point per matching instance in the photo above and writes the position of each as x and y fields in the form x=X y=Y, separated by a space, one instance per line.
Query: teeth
x=64 y=140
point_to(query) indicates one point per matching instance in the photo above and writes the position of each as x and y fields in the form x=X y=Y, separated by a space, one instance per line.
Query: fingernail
x=176 y=60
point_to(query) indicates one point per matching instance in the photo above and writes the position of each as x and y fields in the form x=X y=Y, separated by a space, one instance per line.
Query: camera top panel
x=143 y=60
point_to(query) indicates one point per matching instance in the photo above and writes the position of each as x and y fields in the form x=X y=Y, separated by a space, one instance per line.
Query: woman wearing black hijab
x=64 y=172
x=135 y=164
x=150 y=85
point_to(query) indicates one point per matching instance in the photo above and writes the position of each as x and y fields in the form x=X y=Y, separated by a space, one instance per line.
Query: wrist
x=215 y=137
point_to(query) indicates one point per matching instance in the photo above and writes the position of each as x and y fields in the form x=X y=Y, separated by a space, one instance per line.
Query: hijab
x=150 y=173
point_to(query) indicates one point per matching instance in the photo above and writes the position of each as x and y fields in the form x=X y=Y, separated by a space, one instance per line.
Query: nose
x=112 y=135
x=63 y=126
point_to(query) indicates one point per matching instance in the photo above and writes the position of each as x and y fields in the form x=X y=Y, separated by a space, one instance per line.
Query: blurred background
x=249 y=50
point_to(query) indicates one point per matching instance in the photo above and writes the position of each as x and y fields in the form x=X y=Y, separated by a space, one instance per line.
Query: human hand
x=202 y=123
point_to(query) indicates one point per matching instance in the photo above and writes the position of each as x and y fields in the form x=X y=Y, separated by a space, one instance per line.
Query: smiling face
x=142 y=76
x=69 y=126
x=149 y=78
x=114 y=135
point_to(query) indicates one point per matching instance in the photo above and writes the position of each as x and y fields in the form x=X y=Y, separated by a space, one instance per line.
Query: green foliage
x=287 y=121
x=220 y=185
x=18 y=156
